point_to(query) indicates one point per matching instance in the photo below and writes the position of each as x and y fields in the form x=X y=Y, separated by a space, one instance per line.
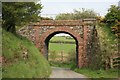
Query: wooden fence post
x=111 y=62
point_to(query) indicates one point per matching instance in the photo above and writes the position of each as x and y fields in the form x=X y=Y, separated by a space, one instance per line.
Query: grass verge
x=111 y=73
x=21 y=59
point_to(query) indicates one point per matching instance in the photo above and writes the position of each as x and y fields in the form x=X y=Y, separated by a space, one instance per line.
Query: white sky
x=53 y=7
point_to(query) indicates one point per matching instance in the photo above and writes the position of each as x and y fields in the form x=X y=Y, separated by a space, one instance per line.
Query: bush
x=52 y=56
x=72 y=56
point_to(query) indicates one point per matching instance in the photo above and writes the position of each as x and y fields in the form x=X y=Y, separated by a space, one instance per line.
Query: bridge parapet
x=89 y=21
x=64 y=22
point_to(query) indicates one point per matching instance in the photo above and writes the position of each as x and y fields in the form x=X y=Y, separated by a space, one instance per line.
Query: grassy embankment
x=22 y=59
x=111 y=73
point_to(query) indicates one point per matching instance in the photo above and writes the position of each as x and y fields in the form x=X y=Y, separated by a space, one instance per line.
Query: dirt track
x=65 y=73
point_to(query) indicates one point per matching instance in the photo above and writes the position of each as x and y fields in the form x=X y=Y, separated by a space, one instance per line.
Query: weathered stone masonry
x=41 y=32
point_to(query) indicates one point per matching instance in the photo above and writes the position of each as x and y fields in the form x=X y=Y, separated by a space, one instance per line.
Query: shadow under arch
x=45 y=37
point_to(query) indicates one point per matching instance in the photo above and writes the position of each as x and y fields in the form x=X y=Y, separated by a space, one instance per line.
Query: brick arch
x=61 y=29
x=39 y=33
x=48 y=34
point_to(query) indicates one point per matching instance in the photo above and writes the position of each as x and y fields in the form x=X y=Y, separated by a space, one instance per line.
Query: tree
x=77 y=14
x=46 y=18
x=113 y=15
x=15 y=14
x=112 y=19
x=65 y=16
x=84 y=13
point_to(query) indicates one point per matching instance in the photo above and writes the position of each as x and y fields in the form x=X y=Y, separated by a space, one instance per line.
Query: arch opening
x=42 y=42
x=47 y=40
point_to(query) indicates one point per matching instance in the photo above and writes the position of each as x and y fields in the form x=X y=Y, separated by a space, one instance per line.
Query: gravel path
x=65 y=73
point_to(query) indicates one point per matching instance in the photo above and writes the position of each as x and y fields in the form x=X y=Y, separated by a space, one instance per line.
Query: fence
x=115 y=62
x=62 y=57
x=64 y=42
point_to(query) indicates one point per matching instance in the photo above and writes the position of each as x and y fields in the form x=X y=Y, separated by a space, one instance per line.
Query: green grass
x=111 y=73
x=16 y=66
x=61 y=47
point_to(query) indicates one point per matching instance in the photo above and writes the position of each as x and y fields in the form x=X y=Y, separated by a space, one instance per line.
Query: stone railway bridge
x=83 y=31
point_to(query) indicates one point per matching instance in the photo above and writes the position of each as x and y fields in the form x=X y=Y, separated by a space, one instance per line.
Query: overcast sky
x=54 y=7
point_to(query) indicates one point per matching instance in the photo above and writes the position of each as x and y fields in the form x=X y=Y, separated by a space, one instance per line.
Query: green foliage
x=106 y=38
x=101 y=74
x=85 y=13
x=52 y=55
x=15 y=14
x=72 y=56
x=77 y=14
x=58 y=60
x=108 y=31
x=113 y=15
x=108 y=43
x=65 y=16
x=16 y=64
